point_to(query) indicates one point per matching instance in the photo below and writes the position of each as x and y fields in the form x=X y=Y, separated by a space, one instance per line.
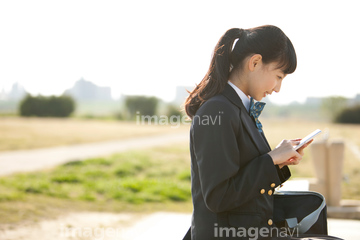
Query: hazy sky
x=150 y=47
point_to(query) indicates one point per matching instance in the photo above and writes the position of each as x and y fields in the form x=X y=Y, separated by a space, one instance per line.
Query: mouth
x=267 y=93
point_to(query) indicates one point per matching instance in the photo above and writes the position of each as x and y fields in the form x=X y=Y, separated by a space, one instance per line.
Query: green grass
x=137 y=181
x=150 y=177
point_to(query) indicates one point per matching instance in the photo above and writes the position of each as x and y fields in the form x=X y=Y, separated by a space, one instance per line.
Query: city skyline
x=149 y=48
x=84 y=90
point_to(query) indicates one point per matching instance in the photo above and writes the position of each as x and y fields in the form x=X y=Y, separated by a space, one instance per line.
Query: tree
x=349 y=115
x=332 y=106
x=52 y=106
x=142 y=105
x=173 y=110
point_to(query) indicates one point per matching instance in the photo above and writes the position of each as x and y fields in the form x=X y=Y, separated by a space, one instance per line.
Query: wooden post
x=335 y=167
x=319 y=157
x=328 y=158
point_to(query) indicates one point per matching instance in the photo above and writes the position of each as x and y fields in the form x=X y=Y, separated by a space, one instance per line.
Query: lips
x=266 y=93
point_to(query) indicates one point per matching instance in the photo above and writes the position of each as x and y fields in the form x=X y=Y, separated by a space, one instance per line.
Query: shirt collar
x=245 y=100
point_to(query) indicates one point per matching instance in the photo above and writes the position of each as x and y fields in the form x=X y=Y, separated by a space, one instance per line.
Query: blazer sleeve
x=284 y=173
x=224 y=184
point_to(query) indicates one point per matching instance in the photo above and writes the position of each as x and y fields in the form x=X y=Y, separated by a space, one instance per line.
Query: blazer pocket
x=244 y=220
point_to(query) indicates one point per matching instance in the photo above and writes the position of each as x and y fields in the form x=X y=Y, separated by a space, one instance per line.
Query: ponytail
x=268 y=41
x=217 y=76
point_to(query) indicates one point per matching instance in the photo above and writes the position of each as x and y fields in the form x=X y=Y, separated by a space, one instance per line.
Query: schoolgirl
x=234 y=171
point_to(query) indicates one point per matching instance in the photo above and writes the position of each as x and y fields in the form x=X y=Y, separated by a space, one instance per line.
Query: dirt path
x=133 y=226
x=30 y=160
x=105 y=226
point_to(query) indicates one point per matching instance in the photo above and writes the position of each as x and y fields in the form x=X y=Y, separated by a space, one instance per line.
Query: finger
x=305 y=145
x=295 y=159
x=308 y=143
x=293 y=162
x=298 y=156
x=301 y=151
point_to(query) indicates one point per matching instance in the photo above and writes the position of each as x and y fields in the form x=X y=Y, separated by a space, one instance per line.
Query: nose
x=278 y=87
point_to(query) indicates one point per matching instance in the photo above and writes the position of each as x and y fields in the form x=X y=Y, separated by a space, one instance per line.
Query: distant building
x=355 y=101
x=87 y=91
x=2 y=94
x=17 y=92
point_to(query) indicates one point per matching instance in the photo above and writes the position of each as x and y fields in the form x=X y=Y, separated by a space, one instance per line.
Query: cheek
x=271 y=83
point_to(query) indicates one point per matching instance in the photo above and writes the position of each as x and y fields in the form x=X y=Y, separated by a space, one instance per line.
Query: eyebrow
x=282 y=71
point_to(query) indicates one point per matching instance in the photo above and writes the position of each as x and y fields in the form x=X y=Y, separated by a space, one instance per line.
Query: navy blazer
x=232 y=175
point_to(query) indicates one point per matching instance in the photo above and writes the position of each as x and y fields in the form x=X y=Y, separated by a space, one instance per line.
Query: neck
x=239 y=81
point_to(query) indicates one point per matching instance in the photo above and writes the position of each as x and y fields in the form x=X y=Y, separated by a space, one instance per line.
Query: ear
x=255 y=61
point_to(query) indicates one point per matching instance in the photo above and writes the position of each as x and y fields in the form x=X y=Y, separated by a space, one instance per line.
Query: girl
x=234 y=171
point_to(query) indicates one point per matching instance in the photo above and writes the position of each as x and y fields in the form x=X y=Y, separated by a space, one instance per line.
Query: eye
x=279 y=77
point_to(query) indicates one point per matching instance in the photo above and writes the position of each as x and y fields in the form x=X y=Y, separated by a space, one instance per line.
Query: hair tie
x=235 y=41
x=241 y=31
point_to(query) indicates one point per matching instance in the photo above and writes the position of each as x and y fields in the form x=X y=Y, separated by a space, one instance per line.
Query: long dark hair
x=268 y=41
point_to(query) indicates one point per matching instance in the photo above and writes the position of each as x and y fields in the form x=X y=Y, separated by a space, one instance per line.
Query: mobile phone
x=307 y=139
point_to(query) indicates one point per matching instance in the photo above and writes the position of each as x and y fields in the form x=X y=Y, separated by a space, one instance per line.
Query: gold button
x=270 y=192
x=270 y=222
x=272 y=185
x=262 y=191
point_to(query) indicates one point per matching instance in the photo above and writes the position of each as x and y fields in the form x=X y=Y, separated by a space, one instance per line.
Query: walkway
x=31 y=160
x=130 y=226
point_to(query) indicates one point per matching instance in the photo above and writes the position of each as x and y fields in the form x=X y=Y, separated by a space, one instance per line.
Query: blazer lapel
x=258 y=138
x=267 y=143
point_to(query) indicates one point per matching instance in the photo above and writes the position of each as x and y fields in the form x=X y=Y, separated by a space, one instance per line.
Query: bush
x=143 y=105
x=173 y=110
x=52 y=106
x=349 y=115
x=333 y=106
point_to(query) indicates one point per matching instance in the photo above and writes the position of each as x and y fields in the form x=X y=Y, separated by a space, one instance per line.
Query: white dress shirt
x=245 y=99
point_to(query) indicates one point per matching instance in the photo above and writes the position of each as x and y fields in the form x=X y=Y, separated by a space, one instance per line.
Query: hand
x=284 y=153
x=293 y=161
x=301 y=150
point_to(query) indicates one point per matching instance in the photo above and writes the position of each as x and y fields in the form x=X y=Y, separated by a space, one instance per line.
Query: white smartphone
x=307 y=138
